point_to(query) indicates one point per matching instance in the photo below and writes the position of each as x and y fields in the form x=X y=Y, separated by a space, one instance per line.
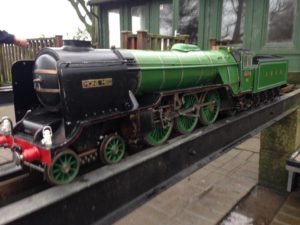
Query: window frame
x=104 y=32
x=147 y=14
x=246 y=26
x=290 y=47
x=158 y=14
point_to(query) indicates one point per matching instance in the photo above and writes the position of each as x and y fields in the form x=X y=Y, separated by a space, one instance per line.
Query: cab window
x=247 y=60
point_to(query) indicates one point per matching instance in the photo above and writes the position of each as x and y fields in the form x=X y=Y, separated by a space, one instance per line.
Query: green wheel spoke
x=64 y=167
x=186 y=124
x=210 y=112
x=110 y=157
x=73 y=163
x=58 y=176
x=69 y=159
x=56 y=170
x=60 y=161
x=112 y=149
x=158 y=135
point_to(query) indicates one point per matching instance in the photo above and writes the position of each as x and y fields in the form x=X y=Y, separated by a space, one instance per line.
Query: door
x=247 y=73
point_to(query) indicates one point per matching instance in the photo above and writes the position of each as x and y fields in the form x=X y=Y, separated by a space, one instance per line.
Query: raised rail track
x=109 y=192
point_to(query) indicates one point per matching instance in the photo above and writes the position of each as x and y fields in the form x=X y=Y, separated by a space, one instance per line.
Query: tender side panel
x=270 y=75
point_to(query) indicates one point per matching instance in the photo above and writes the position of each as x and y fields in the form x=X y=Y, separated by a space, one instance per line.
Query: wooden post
x=278 y=143
x=142 y=39
x=212 y=43
x=1 y=64
x=132 y=42
x=124 y=39
x=186 y=38
x=58 y=40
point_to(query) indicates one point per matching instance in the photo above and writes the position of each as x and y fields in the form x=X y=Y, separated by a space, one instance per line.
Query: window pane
x=138 y=18
x=281 y=20
x=114 y=28
x=165 y=19
x=188 y=19
x=233 y=20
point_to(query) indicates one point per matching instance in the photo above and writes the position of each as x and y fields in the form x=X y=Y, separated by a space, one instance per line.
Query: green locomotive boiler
x=76 y=104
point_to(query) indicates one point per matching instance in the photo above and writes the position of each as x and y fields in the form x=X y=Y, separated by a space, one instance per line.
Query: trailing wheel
x=64 y=168
x=159 y=135
x=186 y=124
x=112 y=149
x=210 y=108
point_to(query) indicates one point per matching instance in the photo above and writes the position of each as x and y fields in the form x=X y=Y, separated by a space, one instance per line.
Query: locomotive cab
x=247 y=71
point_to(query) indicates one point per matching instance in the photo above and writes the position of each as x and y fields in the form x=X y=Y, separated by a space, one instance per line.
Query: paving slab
x=207 y=195
x=289 y=213
x=257 y=208
x=252 y=144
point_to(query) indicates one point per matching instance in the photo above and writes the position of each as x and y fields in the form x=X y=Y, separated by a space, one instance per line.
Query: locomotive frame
x=61 y=125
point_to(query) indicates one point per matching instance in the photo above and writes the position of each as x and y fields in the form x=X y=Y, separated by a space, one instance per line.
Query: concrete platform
x=206 y=196
x=289 y=213
x=211 y=193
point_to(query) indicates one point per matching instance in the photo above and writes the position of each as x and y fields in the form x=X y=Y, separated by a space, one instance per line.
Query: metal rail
x=104 y=194
x=9 y=170
x=6 y=95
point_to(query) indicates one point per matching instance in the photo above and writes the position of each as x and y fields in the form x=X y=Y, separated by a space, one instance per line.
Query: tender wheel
x=159 y=135
x=210 y=111
x=64 y=168
x=271 y=95
x=256 y=100
x=264 y=97
x=112 y=149
x=186 y=124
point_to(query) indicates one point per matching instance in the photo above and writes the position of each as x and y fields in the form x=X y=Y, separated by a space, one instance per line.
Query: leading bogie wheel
x=211 y=107
x=64 y=168
x=112 y=149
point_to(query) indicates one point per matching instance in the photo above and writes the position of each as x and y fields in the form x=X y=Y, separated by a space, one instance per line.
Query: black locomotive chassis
x=104 y=194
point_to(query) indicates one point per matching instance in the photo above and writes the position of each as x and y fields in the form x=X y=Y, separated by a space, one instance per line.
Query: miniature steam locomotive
x=75 y=104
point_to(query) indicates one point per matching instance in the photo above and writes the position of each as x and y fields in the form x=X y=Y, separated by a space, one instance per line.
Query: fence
x=145 y=40
x=9 y=53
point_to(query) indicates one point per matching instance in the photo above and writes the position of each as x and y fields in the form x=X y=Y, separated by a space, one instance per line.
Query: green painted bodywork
x=259 y=75
x=186 y=66
x=177 y=69
x=270 y=74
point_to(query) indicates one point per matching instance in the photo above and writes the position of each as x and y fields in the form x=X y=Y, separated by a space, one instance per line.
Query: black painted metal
x=24 y=94
x=94 y=197
x=10 y=170
x=6 y=95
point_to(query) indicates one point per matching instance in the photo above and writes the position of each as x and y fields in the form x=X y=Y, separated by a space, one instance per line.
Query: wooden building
x=264 y=26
